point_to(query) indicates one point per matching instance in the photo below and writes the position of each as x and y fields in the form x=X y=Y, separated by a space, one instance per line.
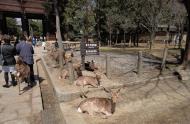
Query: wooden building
x=25 y=9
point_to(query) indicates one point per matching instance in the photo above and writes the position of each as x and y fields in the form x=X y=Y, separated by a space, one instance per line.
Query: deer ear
x=118 y=90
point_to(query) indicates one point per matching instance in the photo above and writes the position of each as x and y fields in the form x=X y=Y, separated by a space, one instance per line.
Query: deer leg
x=93 y=86
x=91 y=113
x=107 y=114
x=29 y=81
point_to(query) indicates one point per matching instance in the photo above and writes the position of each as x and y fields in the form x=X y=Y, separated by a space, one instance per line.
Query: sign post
x=82 y=50
x=88 y=49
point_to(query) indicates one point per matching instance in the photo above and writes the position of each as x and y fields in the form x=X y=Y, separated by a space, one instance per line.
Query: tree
x=78 y=17
x=58 y=34
x=113 y=18
x=35 y=27
x=127 y=25
x=151 y=15
x=13 y=28
x=179 y=20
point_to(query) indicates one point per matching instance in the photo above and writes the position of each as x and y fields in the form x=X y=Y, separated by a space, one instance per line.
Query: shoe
x=14 y=84
x=6 y=86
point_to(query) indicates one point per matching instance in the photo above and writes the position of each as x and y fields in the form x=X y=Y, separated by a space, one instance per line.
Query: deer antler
x=118 y=90
x=83 y=94
x=105 y=89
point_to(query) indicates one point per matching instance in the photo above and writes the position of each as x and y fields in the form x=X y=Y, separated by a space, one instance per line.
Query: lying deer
x=105 y=106
x=22 y=72
x=90 y=66
x=88 y=80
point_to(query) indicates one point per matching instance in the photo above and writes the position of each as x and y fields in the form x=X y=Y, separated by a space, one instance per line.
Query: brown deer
x=90 y=66
x=54 y=54
x=22 y=72
x=88 y=80
x=105 y=106
x=63 y=74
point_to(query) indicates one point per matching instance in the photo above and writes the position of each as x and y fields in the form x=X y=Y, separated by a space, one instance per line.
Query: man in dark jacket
x=26 y=51
x=8 y=52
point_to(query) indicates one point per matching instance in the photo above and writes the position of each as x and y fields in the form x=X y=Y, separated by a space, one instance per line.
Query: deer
x=63 y=74
x=94 y=105
x=54 y=54
x=88 y=80
x=22 y=73
x=90 y=66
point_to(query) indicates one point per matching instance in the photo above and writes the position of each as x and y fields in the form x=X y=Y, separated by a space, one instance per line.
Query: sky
x=18 y=21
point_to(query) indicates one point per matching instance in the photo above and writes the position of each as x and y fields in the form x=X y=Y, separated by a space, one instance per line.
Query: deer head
x=114 y=94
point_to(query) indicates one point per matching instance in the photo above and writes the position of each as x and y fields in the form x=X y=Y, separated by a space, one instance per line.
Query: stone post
x=139 y=64
x=163 y=65
x=71 y=72
x=108 y=67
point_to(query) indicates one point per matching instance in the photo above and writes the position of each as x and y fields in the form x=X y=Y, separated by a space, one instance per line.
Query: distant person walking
x=34 y=41
x=44 y=45
x=26 y=51
x=56 y=44
x=8 y=51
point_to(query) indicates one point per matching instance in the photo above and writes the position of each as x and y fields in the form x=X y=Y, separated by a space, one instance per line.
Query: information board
x=89 y=49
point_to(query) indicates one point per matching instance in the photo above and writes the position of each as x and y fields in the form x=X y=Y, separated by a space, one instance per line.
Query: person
x=44 y=45
x=56 y=44
x=8 y=52
x=16 y=41
x=26 y=51
x=34 y=41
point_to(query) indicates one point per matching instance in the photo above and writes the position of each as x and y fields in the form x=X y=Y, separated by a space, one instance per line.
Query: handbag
x=1 y=56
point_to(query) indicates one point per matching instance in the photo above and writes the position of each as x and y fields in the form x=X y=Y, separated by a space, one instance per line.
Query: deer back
x=95 y=104
x=86 y=80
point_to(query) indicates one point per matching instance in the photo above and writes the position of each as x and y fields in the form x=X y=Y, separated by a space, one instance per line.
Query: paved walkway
x=20 y=109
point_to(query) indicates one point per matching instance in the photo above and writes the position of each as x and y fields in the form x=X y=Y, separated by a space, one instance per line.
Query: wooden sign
x=89 y=48
x=92 y=49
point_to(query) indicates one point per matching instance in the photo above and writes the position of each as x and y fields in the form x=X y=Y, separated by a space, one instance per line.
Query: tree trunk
x=130 y=40
x=152 y=38
x=186 y=60
x=137 y=39
x=116 y=38
x=181 y=28
x=124 y=40
x=110 y=39
x=58 y=34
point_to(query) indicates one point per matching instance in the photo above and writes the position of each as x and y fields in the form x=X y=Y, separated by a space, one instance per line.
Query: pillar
x=3 y=23
x=25 y=26
x=46 y=25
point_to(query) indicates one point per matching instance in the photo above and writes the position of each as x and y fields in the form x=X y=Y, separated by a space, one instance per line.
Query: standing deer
x=105 y=106
x=22 y=72
x=88 y=80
